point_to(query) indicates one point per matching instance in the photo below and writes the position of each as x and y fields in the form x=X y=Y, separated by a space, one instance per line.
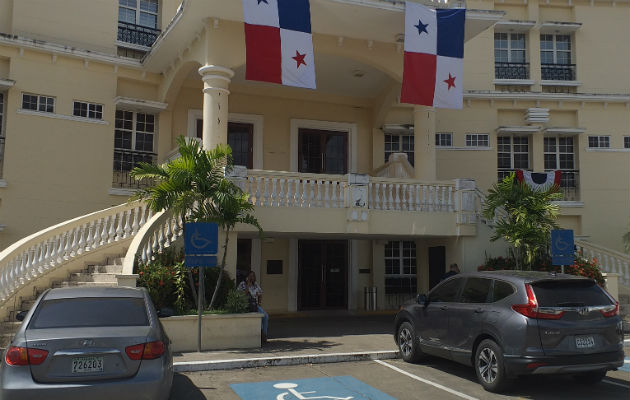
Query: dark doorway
x=322 y=152
x=243 y=259
x=240 y=139
x=323 y=274
x=437 y=264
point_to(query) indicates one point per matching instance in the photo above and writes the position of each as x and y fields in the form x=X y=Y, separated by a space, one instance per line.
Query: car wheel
x=408 y=343
x=591 y=377
x=489 y=366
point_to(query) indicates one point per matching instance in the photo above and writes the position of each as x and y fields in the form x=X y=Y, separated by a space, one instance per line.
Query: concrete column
x=378 y=271
x=533 y=46
x=216 y=81
x=538 y=152
x=424 y=143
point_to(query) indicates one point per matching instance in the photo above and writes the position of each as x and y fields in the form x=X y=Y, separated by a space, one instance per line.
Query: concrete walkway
x=306 y=338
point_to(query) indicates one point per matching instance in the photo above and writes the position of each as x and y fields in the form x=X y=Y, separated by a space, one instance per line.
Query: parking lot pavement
x=382 y=380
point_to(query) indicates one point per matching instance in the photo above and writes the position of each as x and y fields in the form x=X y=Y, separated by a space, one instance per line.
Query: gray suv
x=511 y=323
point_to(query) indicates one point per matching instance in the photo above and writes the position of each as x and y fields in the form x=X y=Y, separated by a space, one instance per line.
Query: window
x=477 y=140
x=501 y=290
x=602 y=142
x=399 y=144
x=512 y=153
x=510 y=56
x=88 y=110
x=134 y=138
x=138 y=12
x=626 y=139
x=38 y=103
x=240 y=139
x=444 y=139
x=400 y=267
x=446 y=292
x=555 y=57
x=560 y=155
x=476 y=290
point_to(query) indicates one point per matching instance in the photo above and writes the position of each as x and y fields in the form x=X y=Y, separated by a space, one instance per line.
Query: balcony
x=137 y=34
x=510 y=70
x=570 y=185
x=557 y=72
x=124 y=162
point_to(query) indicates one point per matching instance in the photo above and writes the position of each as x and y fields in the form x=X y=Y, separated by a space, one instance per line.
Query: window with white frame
x=559 y=154
x=512 y=154
x=556 y=57
x=626 y=142
x=87 y=110
x=510 y=51
x=599 y=142
x=444 y=139
x=134 y=142
x=36 y=102
x=1 y=134
x=399 y=143
x=139 y=12
x=477 y=140
x=400 y=267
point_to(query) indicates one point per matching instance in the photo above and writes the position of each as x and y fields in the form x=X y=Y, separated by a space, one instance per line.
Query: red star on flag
x=299 y=58
x=450 y=81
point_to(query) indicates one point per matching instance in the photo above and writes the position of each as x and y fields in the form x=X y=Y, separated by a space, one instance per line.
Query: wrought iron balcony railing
x=137 y=34
x=558 y=72
x=511 y=70
x=1 y=156
x=124 y=162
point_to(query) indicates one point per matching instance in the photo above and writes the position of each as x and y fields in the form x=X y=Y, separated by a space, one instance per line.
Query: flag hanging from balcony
x=434 y=56
x=540 y=181
x=279 y=42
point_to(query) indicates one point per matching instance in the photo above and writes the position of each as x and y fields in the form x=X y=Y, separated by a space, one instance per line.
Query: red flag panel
x=418 y=85
x=264 y=56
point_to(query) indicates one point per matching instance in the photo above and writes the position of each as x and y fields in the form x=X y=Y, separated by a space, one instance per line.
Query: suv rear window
x=570 y=293
x=90 y=311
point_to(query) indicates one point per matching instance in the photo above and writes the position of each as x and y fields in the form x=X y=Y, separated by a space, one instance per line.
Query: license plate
x=584 y=342
x=87 y=364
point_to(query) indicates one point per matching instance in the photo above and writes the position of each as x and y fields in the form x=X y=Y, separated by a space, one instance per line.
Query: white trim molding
x=62 y=116
x=605 y=150
x=257 y=146
x=3 y=183
x=514 y=82
x=569 y=204
x=6 y=83
x=350 y=128
x=514 y=26
x=471 y=148
x=122 y=192
x=193 y=116
x=139 y=104
x=563 y=131
x=578 y=97
x=559 y=27
x=517 y=129
x=561 y=83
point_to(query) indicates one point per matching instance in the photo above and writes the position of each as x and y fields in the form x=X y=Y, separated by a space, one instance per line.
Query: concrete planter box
x=218 y=331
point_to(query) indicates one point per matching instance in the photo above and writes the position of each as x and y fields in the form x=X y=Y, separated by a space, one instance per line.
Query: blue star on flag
x=421 y=27
x=262 y=1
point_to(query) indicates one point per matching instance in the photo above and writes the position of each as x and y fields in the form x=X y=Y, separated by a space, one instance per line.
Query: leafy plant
x=165 y=280
x=236 y=302
x=524 y=217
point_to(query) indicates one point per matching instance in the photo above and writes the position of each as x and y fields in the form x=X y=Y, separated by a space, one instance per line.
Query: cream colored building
x=87 y=89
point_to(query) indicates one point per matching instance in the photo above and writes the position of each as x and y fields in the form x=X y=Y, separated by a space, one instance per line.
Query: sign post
x=200 y=248
x=562 y=250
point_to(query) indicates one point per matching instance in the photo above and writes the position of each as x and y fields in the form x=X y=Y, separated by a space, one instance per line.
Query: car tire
x=490 y=367
x=408 y=343
x=591 y=377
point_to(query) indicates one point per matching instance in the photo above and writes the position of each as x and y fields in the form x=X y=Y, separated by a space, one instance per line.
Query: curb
x=214 y=365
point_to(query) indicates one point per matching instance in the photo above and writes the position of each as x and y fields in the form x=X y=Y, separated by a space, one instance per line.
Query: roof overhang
x=517 y=129
x=376 y=20
x=559 y=27
x=514 y=26
x=6 y=83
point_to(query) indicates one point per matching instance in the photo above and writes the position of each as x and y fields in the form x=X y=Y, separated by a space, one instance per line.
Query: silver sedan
x=89 y=343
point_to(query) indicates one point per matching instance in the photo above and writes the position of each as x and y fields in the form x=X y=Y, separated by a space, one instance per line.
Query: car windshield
x=570 y=293
x=89 y=312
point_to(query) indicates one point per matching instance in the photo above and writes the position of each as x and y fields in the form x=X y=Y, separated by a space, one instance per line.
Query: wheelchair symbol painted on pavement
x=290 y=387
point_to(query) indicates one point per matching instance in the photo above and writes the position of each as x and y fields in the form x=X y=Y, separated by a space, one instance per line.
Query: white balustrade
x=609 y=260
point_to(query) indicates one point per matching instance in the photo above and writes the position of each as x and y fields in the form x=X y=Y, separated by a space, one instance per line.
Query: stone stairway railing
x=43 y=252
x=610 y=261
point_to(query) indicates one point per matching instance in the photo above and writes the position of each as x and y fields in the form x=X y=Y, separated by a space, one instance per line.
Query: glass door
x=322 y=152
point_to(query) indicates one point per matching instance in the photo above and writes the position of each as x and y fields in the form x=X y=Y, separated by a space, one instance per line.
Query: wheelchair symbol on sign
x=290 y=387
x=199 y=241
x=561 y=244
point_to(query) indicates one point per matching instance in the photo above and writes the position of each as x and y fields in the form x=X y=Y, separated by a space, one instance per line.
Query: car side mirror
x=423 y=299
x=21 y=315
x=165 y=312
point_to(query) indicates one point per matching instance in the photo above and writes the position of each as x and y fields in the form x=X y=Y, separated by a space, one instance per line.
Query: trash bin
x=369 y=298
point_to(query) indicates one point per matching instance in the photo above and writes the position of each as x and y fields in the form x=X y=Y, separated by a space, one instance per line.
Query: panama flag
x=434 y=56
x=279 y=42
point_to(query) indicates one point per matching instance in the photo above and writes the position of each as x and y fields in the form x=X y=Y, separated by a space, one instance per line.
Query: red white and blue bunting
x=539 y=181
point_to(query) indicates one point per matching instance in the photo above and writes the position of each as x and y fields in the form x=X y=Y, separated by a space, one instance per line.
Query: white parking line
x=615 y=383
x=428 y=382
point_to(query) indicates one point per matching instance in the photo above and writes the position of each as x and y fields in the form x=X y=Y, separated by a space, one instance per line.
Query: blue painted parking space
x=331 y=388
x=626 y=365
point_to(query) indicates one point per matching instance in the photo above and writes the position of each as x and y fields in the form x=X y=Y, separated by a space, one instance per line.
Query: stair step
x=75 y=284
x=27 y=304
x=95 y=277
x=105 y=269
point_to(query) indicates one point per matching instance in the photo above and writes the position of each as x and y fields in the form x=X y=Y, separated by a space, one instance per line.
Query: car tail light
x=532 y=310
x=611 y=311
x=145 y=351
x=25 y=356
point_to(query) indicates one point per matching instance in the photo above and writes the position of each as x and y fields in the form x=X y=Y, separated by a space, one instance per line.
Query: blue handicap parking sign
x=201 y=238
x=333 y=388
x=562 y=251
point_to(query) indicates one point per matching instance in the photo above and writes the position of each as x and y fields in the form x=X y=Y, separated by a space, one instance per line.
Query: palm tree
x=528 y=218
x=195 y=186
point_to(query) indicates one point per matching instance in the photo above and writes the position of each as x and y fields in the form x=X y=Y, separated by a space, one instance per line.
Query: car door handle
x=443 y=308
x=479 y=310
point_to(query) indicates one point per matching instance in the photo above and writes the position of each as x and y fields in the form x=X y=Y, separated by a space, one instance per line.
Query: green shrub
x=236 y=302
